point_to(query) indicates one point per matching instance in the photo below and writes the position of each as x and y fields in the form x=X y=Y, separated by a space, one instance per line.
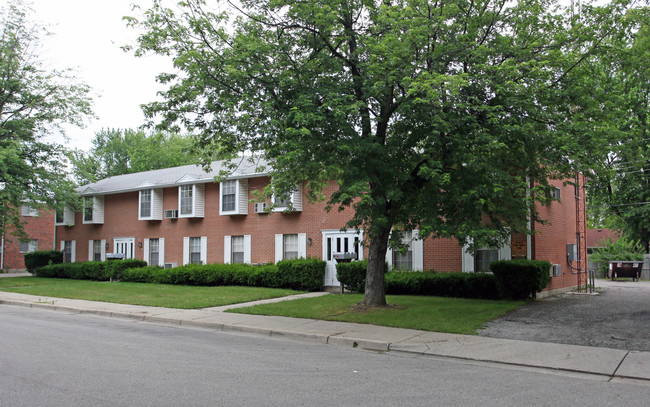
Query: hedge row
x=516 y=279
x=90 y=270
x=520 y=279
x=40 y=258
x=301 y=274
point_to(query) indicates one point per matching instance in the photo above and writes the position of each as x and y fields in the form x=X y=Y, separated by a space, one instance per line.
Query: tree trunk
x=375 y=295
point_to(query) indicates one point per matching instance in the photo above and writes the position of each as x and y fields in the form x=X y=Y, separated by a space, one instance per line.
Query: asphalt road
x=57 y=359
x=618 y=317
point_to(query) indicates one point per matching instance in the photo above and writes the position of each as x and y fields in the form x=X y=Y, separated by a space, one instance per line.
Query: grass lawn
x=450 y=315
x=155 y=295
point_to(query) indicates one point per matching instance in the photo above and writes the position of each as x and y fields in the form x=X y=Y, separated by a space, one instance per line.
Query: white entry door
x=335 y=241
x=125 y=246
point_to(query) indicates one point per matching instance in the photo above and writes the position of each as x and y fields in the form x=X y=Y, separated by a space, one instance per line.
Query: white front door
x=124 y=246
x=335 y=241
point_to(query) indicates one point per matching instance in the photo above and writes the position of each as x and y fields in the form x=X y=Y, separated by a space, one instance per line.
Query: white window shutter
x=302 y=245
x=186 y=250
x=247 y=249
x=145 y=256
x=279 y=245
x=204 y=250
x=227 y=249
x=62 y=245
x=505 y=252
x=103 y=249
x=389 y=256
x=161 y=252
x=468 y=260
x=90 y=250
x=417 y=251
x=73 y=258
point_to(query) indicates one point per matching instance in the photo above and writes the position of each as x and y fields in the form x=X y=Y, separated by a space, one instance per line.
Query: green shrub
x=620 y=250
x=115 y=268
x=139 y=274
x=352 y=275
x=302 y=274
x=460 y=285
x=520 y=279
x=34 y=260
x=63 y=270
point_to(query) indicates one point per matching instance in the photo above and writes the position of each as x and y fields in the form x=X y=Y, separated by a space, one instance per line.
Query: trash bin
x=629 y=269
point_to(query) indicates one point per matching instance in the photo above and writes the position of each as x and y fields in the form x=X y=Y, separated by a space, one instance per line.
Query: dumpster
x=630 y=269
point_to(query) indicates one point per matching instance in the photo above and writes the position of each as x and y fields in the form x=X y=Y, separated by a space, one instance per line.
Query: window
x=154 y=252
x=67 y=251
x=291 y=200
x=228 y=196
x=186 y=193
x=29 y=246
x=237 y=249
x=145 y=203
x=483 y=258
x=88 y=209
x=97 y=250
x=195 y=250
x=290 y=247
x=404 y=260
x=27 y=210
x=59 y=215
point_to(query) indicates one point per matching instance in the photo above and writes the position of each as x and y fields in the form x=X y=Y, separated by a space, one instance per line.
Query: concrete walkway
x=602 y=363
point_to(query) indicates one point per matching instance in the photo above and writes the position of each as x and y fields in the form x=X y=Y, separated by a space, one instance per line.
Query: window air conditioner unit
x=171 y=265
x=260 y=207
x=556 y=270
x=171 y=213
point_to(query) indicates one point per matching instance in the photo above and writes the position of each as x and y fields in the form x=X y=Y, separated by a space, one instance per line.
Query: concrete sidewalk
x=605 y=363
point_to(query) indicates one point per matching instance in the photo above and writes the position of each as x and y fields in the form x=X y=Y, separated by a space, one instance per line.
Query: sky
x=87 y=36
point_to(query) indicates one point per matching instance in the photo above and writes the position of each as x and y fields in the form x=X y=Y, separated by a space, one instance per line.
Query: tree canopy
x=34 y=102
x=619 y=195
x=448 y=117
x=116 y=152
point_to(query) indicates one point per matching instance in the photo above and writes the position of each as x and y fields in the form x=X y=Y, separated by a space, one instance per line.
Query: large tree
x=620 y=188
x=116 y=152
x=34 y=102
x=444 y=116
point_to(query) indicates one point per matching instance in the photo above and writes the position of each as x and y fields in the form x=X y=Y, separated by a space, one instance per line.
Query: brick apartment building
x=39 y=226
x=179 y=215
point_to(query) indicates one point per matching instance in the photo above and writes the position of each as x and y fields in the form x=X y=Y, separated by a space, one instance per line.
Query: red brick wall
x=442 y=255
x=121 y=220
x=40 y=228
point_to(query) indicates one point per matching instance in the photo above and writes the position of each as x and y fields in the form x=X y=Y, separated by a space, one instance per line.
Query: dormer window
x=288 y=202
x=191 y=201
x=64 y=216
x=234 y=197
x=93 y=210
x=150 y=204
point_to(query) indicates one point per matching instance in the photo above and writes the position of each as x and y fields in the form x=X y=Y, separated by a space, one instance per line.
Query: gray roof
x=246 y=167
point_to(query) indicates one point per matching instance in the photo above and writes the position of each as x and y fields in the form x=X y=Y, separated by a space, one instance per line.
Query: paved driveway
x=619 y=317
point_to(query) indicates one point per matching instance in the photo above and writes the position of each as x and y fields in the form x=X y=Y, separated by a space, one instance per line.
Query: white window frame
x=203 y=247
x=102 y=250
x=198 y=201
x=279 y=246
x=97 y=209
x=73 y=250
x=150 y=206
x=161 y=251
x=228 y=249
x=32 y=246
x=295 y=200
x=240 y=186
x=26 y=210
x=417 y=250
x=468 y=263
x=67 y=217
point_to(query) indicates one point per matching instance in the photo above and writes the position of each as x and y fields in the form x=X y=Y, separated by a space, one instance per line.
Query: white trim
x=161 y=251
x=103 y=250
x=295 y=197
x=145 y=247
x=91 y=250
x=227 y=249
x=279 y=246
x=302 y=245
x=73 y=251
x=204 y=250
x=186 y=250
x=241 y=197
x=247 y=249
